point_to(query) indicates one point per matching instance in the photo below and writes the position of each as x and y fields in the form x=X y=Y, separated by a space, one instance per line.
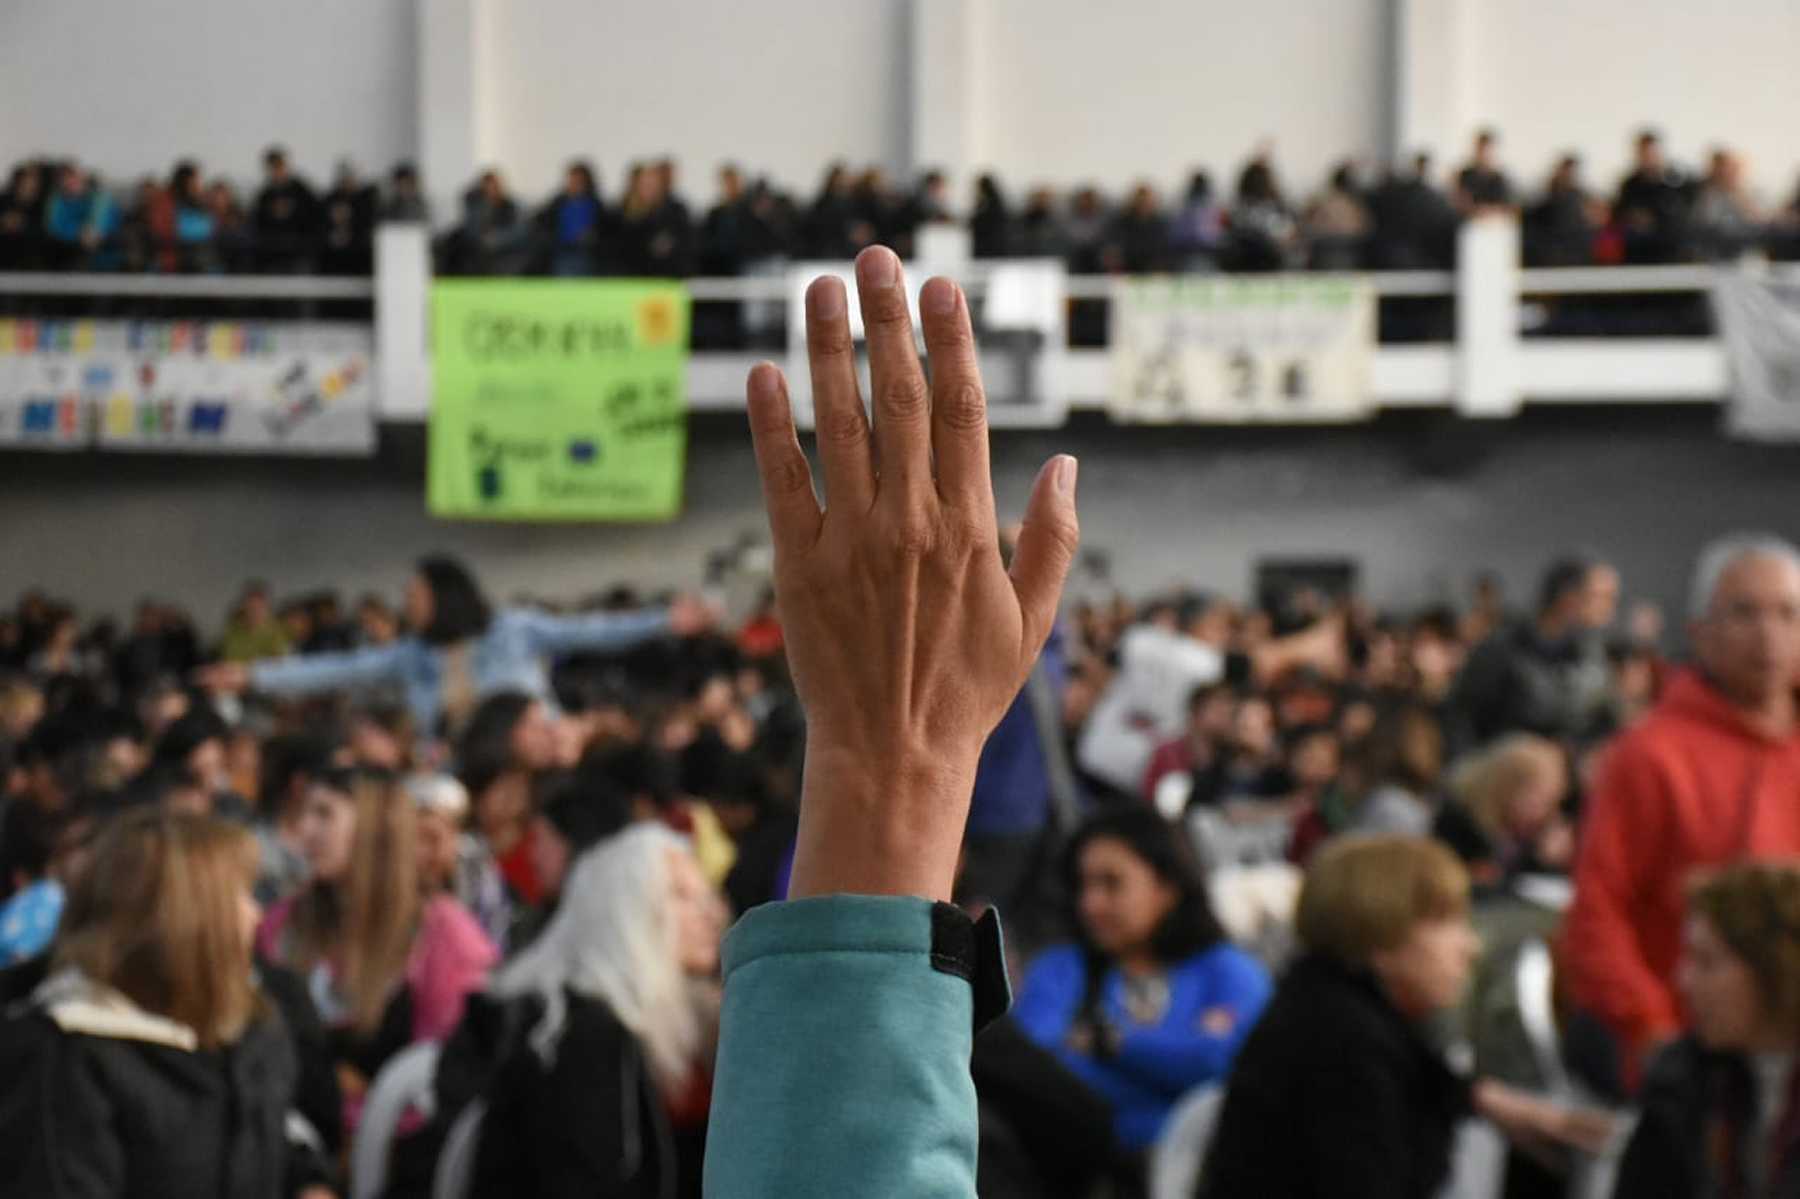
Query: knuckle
x=904 y=400
x=911 y=536
x=787 y=475
x=830 y=339
x=970 y=533
x=886 y=308
x=964 y=407
x=841 y=425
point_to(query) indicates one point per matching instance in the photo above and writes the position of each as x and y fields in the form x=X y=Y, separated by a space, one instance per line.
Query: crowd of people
x=521 y=834
x=59 y=215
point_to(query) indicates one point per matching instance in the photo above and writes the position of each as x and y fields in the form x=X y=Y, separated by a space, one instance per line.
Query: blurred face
x=1599 y=598
x=249 y=916
x=327 y=833
x=437 y=850
x=550 y=854
x=256 y=608
x=534 y=740
x=698 y=913
x=1720 y=991
x=575 y=183
x=1315 y=761
x=1427 y=972
x=1253 y=728
x=1537 y=799
x=419 y=606
x=1213 y=719
x=208 y=763
x=715 y=700
x=1749 y=640
x=1120 y=899
x=373 y=746
x=1650 y=155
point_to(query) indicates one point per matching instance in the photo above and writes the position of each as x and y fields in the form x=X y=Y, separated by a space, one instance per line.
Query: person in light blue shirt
x=460 y=650
x=1151 y=1001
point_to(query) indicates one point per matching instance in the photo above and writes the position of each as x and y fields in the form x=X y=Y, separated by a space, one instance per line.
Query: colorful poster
x=558 y=399
x=1242 y=349
x=193 y=386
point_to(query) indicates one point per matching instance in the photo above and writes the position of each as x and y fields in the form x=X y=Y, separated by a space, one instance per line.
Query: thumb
x=1047 y=543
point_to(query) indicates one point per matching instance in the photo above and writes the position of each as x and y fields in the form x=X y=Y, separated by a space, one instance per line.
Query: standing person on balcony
x=1655 y=205
x=285 y=217
x=1482 y=184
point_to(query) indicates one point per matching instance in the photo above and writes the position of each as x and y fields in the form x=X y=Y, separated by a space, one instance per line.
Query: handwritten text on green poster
x=558 y=399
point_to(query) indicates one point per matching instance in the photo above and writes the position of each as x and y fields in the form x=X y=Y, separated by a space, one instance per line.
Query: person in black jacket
x=1721 y=1107
x=1338 y=1092
x=605 y=1093
x=285 y=217
x=146 y=1063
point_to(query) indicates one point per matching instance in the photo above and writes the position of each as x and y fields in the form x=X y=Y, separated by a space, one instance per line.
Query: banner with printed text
x=558 y=399
x=287 y=387
x=1759 y=321
x=1242 y=349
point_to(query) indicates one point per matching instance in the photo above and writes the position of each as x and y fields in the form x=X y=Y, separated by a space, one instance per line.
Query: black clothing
x=1334 y=1094
x=1697 y=1110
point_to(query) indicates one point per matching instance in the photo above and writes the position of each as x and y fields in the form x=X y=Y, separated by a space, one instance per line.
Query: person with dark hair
x=347 y=220
x=1151 y=1000
x=1197 y=230
x=1264 y=234
x=458 y=650
x=193 y=748
x=509 y=743
x=285 y=217
x=1414 y=223
x=1482 y=184
x=1654 y=205
x=1336 y=224
x=405 y=202
x=1338 y=1091
x=1548 y=676
x=1721 y=1107
x=1559 y=230
x=253 y=632
x=22 y=242
x=574 y=225
x=990 y=221
x=1211 y=708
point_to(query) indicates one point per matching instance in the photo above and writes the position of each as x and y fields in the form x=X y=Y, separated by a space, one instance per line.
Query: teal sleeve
x=843 y=1063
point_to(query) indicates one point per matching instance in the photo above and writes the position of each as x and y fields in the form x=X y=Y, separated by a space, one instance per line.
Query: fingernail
x=938 y=297
x=877 y=267
x=825 y=298
x=1066 y=469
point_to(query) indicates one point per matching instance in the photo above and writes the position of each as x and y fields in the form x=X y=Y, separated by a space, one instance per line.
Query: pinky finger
x=787 y=487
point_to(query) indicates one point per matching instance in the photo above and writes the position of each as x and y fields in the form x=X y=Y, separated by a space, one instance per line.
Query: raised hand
x=907 y=635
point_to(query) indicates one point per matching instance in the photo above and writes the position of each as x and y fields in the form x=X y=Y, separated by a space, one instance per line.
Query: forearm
x=844 y=1055
x=882 y=830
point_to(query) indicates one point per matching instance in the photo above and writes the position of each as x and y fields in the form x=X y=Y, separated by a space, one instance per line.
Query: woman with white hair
x=606 y=1090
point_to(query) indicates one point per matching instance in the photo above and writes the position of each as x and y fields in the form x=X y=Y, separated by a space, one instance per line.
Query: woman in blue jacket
x=459 y=650
x=1152 y=1000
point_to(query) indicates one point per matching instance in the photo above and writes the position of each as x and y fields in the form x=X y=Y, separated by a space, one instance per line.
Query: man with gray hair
x=1710 y=776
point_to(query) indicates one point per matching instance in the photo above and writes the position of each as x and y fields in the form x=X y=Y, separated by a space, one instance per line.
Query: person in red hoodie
x=1710 y=776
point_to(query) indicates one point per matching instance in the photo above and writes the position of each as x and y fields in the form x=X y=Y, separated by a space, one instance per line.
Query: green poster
x=558 y=399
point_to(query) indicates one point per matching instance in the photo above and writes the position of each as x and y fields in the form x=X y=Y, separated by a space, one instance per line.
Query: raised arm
x=844 y=1050
x=309 y=674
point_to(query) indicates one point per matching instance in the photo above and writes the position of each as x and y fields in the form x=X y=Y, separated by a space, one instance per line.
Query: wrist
x=874 y=823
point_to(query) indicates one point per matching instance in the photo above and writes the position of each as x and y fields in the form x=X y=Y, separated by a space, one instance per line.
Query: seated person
x=1152 y=1000
x=1504 y=817
x=1339 y=1091
x=1720 y=1115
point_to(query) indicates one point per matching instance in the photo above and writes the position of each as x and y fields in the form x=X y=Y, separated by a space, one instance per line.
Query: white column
x=450 y=121
x=1487 y=316
x=943 y=85
x=1434 y=77
x=402 y=297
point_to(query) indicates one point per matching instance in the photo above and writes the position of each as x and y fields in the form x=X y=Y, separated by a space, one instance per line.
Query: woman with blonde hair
x=606 y=1091
x=148 y=1063
x=1505 y=814
x=385 y=964
x=1721 y=1106
x=1338 y=1090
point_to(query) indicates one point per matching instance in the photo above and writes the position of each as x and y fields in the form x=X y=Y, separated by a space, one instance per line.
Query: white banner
x=198 y=386
x=1241 y=349
x=1760 y=322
